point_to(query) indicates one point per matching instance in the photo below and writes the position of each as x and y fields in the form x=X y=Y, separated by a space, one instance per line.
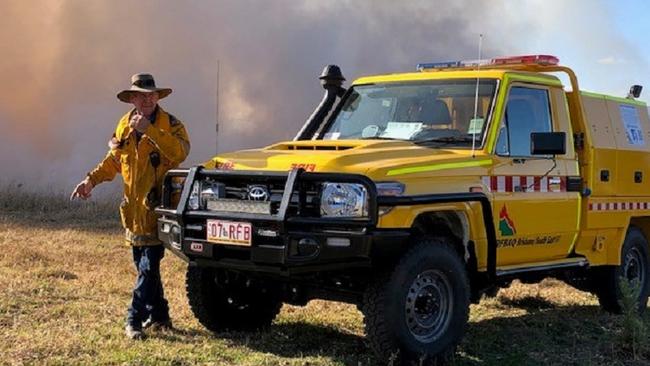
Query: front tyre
x=419 y=311
x=634 y=267
x=220 y=303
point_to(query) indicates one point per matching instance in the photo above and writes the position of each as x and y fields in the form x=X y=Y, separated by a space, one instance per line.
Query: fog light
x=338 y=242
x=176 y=237
x=308 y=247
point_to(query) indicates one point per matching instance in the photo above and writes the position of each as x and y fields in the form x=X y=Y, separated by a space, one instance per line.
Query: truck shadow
x=528 y=303
x=301 y=339
x=546 y=335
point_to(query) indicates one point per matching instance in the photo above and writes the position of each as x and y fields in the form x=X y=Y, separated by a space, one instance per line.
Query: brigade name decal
x=538 y=240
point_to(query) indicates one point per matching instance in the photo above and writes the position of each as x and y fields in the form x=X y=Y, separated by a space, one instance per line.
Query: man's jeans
x=148 y=296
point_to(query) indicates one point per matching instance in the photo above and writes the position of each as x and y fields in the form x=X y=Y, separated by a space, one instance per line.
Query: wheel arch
x=642 y=223
x=453 y=224
x=458 y=225
x=465 y=217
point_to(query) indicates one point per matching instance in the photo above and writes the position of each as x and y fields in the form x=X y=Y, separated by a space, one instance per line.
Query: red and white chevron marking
x=525 y=183
x=618 y=206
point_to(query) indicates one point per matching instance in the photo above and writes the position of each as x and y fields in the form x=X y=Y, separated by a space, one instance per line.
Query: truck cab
x=412 y=194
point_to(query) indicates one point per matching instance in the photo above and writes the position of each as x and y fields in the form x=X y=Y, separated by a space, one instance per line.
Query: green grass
x=65 y=282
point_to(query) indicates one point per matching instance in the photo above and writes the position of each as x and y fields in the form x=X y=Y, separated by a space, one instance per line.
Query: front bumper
x=292 y=252
x=284 y=242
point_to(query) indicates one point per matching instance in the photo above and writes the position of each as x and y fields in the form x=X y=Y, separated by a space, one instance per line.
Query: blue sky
x=632 y=17
x=633 y=21
x=605 y=42
x=607 y=45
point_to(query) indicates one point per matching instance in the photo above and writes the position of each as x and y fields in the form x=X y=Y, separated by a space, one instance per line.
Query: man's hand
x=113 y=143
x=82 y=190
x=139 y=122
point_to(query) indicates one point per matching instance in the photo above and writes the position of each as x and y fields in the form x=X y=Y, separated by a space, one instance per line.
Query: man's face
x=145 y=103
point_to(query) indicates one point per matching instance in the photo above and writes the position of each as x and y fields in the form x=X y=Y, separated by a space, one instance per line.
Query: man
x=147 y=143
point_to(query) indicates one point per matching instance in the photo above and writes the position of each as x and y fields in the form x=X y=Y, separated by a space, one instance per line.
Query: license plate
x=229 y=232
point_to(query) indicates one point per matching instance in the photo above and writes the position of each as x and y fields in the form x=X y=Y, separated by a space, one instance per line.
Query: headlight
x=344 y=200
x=194 y=201
x=202 y=192
x=211 y=191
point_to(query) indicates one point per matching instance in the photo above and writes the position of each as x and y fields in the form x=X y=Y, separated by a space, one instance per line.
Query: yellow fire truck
x=413 y=194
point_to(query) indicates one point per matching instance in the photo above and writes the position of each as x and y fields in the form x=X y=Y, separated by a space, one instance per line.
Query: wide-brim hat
x=142 y=83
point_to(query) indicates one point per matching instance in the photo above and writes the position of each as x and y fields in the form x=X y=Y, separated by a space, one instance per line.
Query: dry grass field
x=65 y=281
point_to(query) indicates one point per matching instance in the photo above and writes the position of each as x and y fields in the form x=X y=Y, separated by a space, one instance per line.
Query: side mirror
x=635 y=91
x=547 y=143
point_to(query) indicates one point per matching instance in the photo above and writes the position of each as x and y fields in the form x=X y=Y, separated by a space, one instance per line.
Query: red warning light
x=542 y=60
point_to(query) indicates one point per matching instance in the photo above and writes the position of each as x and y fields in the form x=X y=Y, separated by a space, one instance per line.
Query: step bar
x=544 y=267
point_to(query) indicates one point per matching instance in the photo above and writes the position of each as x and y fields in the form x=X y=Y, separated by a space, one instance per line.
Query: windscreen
x=440 y=111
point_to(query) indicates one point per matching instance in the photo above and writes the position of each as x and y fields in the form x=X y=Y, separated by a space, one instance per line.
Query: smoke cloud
x=63 y=62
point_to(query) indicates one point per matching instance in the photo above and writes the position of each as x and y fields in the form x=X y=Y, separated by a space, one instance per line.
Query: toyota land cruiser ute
x=413 y=194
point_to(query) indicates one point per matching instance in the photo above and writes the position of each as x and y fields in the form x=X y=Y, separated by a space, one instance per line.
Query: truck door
x=536 y=219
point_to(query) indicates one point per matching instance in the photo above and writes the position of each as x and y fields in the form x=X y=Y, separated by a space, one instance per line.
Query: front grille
x=314 y=147
x=305 y=200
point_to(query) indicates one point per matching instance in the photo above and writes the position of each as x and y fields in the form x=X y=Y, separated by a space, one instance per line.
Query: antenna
x=216 y=125
x=478 y=77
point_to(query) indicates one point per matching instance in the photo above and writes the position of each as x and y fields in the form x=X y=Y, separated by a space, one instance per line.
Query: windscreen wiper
x=379 y=138
x=445 y=140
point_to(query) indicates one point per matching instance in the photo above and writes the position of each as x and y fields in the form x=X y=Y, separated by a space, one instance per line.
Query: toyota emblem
x=258 y=193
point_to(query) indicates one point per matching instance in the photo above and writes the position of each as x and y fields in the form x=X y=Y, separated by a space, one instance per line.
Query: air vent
x=314 y=147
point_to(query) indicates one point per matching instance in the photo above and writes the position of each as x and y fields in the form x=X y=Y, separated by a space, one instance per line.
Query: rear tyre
x=634 y=267
x=221 y=304
x=419 y=311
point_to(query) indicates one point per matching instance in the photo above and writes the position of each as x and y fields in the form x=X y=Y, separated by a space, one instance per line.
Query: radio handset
x=153 y=197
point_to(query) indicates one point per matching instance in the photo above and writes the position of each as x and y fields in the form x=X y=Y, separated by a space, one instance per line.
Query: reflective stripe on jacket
x=135 y=160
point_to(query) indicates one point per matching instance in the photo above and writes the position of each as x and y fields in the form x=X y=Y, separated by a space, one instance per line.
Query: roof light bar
x=541 y=60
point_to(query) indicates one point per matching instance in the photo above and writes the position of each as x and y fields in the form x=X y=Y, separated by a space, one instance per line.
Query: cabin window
x=527 y=111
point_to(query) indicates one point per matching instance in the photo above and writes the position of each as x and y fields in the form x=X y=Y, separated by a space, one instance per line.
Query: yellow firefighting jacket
x=143 y=164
